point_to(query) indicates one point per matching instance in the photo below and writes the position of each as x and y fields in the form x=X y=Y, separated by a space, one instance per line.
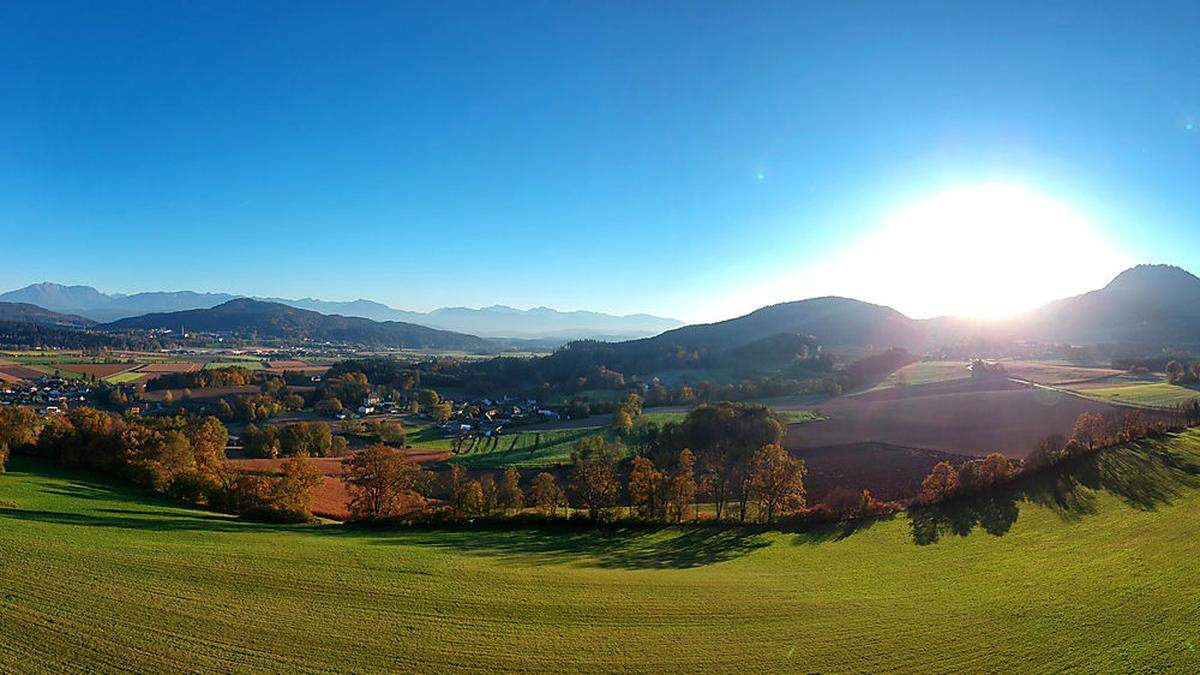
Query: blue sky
x=695 y=160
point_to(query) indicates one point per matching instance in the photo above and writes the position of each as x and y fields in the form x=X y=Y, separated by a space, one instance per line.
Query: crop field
x=962 y=417
x=101 y=370
x=891 y=473
x=1093 y=571
x=926 y=372
x=21 y=372
x=1156 y=394
x=1051 y=372
x=787 y=416
x=126 y=377
x=171 y=367
x=55 y=370
x=245 y=363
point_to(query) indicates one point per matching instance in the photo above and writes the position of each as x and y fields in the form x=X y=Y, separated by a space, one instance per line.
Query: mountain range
x=246 y=316
x=495 y=321
x=1152 y=306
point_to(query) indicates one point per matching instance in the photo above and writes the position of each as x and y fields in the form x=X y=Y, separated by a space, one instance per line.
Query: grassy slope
x=1101 y=578
x=525 y=449
x=1159 y=394
x=926 y=372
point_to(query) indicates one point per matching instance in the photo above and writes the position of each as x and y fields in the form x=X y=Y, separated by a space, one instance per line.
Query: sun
x=985 y=250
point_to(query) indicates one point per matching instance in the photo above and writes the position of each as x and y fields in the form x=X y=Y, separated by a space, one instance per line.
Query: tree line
x=176 y=456
x=1091 y=432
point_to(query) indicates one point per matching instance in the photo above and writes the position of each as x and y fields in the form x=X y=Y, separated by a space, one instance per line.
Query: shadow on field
x=621 y=548
x=1144 y=475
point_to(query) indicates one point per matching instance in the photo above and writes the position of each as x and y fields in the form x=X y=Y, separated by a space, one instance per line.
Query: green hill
x=1091 y=570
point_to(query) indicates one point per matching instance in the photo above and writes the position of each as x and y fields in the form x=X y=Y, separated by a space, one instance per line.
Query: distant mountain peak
x=1154 y=277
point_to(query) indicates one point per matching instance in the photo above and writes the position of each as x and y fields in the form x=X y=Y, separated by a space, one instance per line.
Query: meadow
x=1150 y=394
x=1091 y=570
x=524 y=449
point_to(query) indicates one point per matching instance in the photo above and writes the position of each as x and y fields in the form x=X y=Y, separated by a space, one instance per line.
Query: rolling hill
x=1152 y=305
x=1090 y=570
x=833 y=321
x=495 y=321
x=22 y=312
x=274 y=320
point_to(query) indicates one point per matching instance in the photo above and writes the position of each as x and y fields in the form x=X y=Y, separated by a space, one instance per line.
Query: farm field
x=891 y=473
x=1093 y=571
x=1155 y=394
x=787 y=416
x=248 y=364
x=126 y=377
x=1051 y=372
x=963 y=417
x=926 y=372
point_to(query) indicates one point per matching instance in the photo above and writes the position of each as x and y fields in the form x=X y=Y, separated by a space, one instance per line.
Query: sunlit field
x=1093 y=570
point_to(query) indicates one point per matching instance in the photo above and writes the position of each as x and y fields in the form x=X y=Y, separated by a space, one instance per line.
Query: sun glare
x=984 y=250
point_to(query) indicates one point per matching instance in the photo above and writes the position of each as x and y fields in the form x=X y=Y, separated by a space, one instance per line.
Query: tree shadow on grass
x=613 y=548
x=1144 y=475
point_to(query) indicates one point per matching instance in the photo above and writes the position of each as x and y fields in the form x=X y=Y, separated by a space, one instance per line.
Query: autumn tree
x=441 y=412
x=487 y=484
x=941 y=483
x=292 y=494
x=724 y=436
x=454 y=482
x=1048 y=451
x=995 y=470
x=470 y=502
x=594 y=481
x=511 y=498
x=1175 y=372
x=545 y=494
x=681 y=489
x=647 y=487
x=776 y=482
x=622 y=421
x=208 y=438
x=378 y=479
x=1089 y=430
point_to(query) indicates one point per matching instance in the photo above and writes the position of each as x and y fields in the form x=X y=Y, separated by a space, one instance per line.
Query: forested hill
x=27 y=313
x=274 y=320
x=1155 y=305
x=833 y=321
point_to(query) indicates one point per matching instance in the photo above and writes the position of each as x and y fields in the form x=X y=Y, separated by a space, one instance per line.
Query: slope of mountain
x=495 y=321
x=91 y=303
x=274 y=320
x=26 y=313
x=1153 y=305
x=833 y=321
x=57 y=297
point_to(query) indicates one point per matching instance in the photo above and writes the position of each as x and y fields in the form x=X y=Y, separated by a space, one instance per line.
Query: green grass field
x=1094 y=571
x=121 y=378
x=1158 y=394
x=248 y=364
x=787 y=416
x=524 y=449
x=926 y=372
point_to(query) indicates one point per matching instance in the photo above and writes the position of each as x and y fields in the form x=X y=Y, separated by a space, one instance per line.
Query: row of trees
x=314 y=439
x=742 y=468
x=1183 y=372
x=177 y=456
x=1091 y=432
